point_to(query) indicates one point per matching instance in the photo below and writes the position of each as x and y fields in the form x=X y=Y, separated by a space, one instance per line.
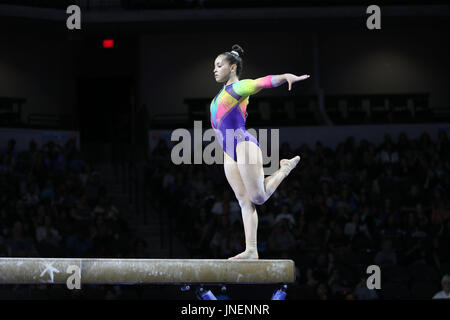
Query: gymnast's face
x=222 y=69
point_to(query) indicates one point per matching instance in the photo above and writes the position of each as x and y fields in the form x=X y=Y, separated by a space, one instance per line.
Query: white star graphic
x=50 y=269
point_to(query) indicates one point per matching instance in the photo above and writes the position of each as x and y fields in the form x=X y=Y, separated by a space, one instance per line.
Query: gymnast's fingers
x=304 y=77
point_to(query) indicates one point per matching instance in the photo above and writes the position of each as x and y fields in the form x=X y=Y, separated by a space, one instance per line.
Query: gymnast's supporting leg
x=248 y=209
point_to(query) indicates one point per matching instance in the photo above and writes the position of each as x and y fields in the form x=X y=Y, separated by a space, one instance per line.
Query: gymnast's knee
x=258 y=199
x=245 y=202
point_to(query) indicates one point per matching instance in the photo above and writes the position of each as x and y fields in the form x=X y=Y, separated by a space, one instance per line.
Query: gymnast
x=228 y=111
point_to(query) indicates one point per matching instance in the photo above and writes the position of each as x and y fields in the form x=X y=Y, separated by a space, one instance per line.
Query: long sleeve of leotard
x=247 y=87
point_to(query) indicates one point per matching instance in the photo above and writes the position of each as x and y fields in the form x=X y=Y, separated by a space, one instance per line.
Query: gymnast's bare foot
x=287 y=165
x=247 y=254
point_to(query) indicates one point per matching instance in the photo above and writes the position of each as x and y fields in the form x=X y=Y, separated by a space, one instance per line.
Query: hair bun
x=238 y=49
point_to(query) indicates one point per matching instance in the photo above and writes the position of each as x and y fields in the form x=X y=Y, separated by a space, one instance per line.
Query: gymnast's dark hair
x=232 y=58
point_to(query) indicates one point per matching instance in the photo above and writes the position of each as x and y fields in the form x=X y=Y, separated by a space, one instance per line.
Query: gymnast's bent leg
x=249 y=161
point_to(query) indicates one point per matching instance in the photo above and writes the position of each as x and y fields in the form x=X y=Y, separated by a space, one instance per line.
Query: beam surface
x=146 y=271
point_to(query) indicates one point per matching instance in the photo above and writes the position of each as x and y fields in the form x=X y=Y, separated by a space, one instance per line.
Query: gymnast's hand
x=292 y=78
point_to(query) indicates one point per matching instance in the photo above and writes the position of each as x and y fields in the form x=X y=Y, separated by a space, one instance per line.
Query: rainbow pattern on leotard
x=236 y=95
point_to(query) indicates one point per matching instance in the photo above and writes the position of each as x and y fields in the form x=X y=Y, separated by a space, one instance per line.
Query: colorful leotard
x=229 y=112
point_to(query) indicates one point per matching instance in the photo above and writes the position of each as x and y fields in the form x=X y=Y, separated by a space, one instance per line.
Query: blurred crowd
x=341 y=210
x=52 y=204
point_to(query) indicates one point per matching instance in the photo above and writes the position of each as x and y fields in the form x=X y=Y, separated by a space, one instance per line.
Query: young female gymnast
x=228 y=114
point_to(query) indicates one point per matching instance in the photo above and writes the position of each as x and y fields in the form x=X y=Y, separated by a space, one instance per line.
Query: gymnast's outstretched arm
x=248 y=87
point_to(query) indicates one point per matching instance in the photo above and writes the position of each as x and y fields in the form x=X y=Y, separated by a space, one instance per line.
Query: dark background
x=112 y=190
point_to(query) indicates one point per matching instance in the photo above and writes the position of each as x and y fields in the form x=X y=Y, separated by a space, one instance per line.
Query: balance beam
x=146 y=271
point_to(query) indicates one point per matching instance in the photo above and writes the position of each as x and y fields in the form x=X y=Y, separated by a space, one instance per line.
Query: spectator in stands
x=140 y=249
x=439 y=212
x=387 y=154
x=417 y=252
x=10 y=154
x=413 y=198
x=202 y=228
x=387 y=255
x=220 y=241
x=390 y=227
x=53 y=157
x=285 y=151
x=323 y=265
x=351 y=227
x=386 y=211
x=311 y=280
x=235 y=243
x=296 y=201
x=94 y=189
x=445 y=293
x=281 y=238
x=265 y=217
x=47 y=192
x=18 y=244
x=63 y=222
x=322 y=291
x=285 y=214
x=84 y=175
x=226 y=202
x=349 y=295
x=80 y=212
x=335 y=237
x=314 y=236
x=440 y=252
x=31 y=196
x=101 y=208
x=346 y=200
x=169 y=179
x=362 y=292
x=443 y=144
x=338 y=284
x=111 y=211
x=45 y=232
x=161 y=150
x=199 y=183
